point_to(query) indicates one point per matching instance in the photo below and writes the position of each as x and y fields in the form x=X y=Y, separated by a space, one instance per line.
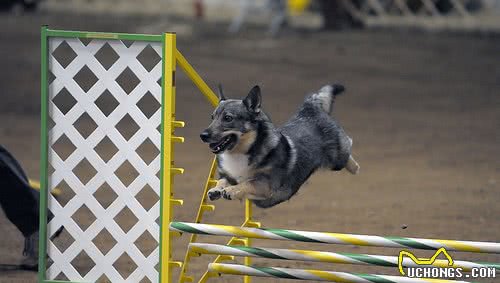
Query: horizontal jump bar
x=319 y=275
x=330 y=257
x=335 y=238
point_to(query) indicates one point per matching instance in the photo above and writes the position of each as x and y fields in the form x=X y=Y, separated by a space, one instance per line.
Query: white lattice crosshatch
x=105 y=110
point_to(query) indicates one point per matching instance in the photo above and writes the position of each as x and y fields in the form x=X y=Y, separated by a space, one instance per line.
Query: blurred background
x=422 y=105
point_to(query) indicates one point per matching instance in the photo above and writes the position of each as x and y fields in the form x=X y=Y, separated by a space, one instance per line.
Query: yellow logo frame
x=423 y=261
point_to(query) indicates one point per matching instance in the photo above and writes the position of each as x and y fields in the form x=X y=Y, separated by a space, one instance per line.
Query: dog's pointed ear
x=220 y=92
x=253 y=100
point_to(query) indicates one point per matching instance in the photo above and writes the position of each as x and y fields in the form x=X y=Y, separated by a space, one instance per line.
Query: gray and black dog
x=268 y=164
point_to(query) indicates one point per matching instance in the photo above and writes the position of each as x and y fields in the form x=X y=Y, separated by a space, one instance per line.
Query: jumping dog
x=268 y=164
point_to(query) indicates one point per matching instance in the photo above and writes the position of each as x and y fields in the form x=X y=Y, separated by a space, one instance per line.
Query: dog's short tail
x=325 y=97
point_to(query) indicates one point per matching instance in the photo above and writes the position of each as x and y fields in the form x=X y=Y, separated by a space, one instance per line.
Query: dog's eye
x=227 y=118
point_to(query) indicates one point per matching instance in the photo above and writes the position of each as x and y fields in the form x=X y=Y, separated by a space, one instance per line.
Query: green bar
x=290 y=235
x=104 y=35
x=410 y=243
x=162 y=150
x=187 y=228
x=490 y=264
x=275 y=272
x=42 y=251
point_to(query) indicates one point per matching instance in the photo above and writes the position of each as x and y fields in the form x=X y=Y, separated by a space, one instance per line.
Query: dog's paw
x=225 y=195
x=231 y=193
x=352 y=166
x=354 y=169
x=215 y=194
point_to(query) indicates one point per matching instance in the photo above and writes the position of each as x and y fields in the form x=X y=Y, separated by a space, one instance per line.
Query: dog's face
x=233 y=122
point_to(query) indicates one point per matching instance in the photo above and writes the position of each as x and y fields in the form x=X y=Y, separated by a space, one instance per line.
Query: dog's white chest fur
x=236 y=165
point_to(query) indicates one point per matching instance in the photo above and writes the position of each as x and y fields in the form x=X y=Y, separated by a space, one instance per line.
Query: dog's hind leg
x=352 y=166
x=338 y=154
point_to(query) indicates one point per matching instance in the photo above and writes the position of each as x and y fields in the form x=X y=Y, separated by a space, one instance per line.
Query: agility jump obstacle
x=108 y=138
x=330 y=257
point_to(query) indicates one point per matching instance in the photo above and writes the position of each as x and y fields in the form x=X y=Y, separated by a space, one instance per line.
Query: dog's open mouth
x=226 y=143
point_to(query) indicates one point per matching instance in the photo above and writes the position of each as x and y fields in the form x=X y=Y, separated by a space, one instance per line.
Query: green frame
x=42 y=245
x=162 y=171
x=102 y=35
x=46 y=33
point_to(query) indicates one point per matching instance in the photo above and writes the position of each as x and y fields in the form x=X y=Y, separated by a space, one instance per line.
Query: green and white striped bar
x=335 y=238
x=330 y=257
x=318 y=275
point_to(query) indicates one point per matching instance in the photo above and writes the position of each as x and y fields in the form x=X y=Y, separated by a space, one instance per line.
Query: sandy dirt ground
x=423 y=110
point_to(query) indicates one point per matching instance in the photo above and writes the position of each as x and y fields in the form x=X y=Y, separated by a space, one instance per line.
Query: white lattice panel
x=88 y=99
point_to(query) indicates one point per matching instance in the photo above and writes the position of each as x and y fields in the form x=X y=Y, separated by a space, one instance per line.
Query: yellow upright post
x=169 y=125
x=248 y=243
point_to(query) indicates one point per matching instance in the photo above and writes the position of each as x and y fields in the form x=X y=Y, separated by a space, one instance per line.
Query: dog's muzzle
x=225 y=143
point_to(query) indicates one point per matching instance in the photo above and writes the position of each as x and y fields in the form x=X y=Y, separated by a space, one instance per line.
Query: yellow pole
x=248 y=243
x=196 y=79
x=168 y=119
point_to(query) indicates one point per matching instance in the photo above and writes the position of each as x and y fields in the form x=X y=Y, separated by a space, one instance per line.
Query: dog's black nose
x=205 y=135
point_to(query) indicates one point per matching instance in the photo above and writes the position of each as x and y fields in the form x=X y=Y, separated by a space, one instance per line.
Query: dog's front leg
x=215 y=193
x=252 y=189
